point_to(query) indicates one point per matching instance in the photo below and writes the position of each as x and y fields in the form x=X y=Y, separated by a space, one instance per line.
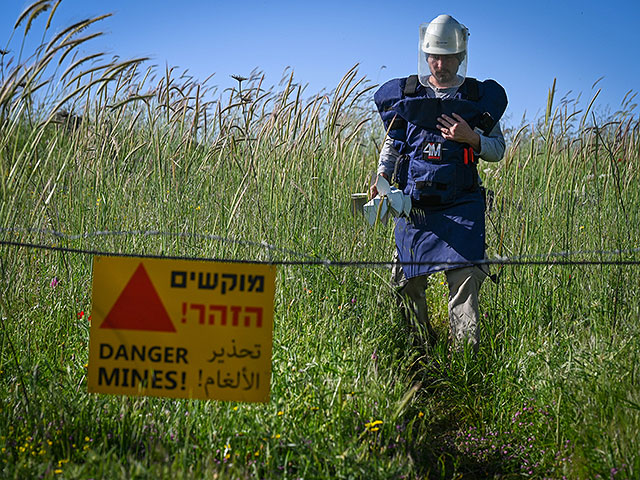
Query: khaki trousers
x=464 y=285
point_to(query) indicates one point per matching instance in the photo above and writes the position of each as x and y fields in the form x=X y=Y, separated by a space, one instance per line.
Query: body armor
x=432 y=170
x=447 y=219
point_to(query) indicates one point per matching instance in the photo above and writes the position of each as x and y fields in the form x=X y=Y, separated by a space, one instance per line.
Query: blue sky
x=522 y=45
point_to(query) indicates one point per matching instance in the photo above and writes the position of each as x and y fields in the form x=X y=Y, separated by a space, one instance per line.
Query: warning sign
x=181 y=329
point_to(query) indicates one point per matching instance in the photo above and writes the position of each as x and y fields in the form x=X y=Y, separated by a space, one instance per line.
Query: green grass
x=553 y=391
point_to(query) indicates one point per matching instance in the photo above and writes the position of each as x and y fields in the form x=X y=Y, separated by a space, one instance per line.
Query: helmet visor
x=442 y=53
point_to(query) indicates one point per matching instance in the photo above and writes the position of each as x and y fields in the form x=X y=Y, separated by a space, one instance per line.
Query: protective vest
x=432 y=170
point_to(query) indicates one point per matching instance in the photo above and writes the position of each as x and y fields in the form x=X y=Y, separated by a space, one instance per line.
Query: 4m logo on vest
x=181 y=329
x=433 y=150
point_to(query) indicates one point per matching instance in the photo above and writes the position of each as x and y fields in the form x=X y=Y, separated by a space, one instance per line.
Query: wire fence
x=540 y=259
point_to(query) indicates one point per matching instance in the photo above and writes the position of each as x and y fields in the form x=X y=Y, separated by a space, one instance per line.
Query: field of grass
x=554 y=391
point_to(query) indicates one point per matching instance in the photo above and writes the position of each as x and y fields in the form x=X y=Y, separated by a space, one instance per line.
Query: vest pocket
x=441 y=184
x=434 y=184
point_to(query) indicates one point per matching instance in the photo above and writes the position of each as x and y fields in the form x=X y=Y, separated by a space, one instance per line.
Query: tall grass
x=553 y=391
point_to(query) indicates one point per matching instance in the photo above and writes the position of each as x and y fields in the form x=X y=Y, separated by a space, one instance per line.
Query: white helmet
x=444 y=35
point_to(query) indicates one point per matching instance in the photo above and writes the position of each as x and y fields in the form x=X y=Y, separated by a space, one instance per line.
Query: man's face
x=444 y=69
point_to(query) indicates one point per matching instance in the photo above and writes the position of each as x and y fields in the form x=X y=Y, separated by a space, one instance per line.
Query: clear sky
x=522 y=45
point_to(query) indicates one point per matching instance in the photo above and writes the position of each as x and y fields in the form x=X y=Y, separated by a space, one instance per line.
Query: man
x=439 y=123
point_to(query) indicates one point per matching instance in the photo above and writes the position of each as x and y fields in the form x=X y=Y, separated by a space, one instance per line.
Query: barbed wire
x=539 y=259
x=151 y=233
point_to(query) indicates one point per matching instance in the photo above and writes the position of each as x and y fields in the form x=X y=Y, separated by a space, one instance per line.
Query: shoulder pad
x=386 y=97
x=493 y=99
x=389 y=93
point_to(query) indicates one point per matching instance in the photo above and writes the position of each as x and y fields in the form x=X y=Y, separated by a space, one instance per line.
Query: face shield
x=442 y=53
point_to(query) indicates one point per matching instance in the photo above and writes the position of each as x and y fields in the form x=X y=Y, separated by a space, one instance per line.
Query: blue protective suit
x=447 y=220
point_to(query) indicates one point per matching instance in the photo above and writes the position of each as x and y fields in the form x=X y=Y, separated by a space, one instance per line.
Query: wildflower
x=80 y=314
x=57 y=471
x=280 y=413
x=54 y=282
x=373 y=426
x=420 y=415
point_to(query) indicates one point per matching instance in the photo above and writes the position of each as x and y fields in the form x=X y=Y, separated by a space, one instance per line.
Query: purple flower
x=54 y=282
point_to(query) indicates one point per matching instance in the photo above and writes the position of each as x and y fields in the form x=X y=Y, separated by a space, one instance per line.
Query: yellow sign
x=181 y=329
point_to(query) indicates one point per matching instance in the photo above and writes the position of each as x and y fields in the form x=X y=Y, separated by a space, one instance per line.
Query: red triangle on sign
x=139 y=307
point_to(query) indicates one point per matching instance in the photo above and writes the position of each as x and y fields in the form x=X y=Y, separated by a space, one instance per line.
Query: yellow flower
x=280 y=413
x=373 y=426
x=57 y=471
x=420 y=415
